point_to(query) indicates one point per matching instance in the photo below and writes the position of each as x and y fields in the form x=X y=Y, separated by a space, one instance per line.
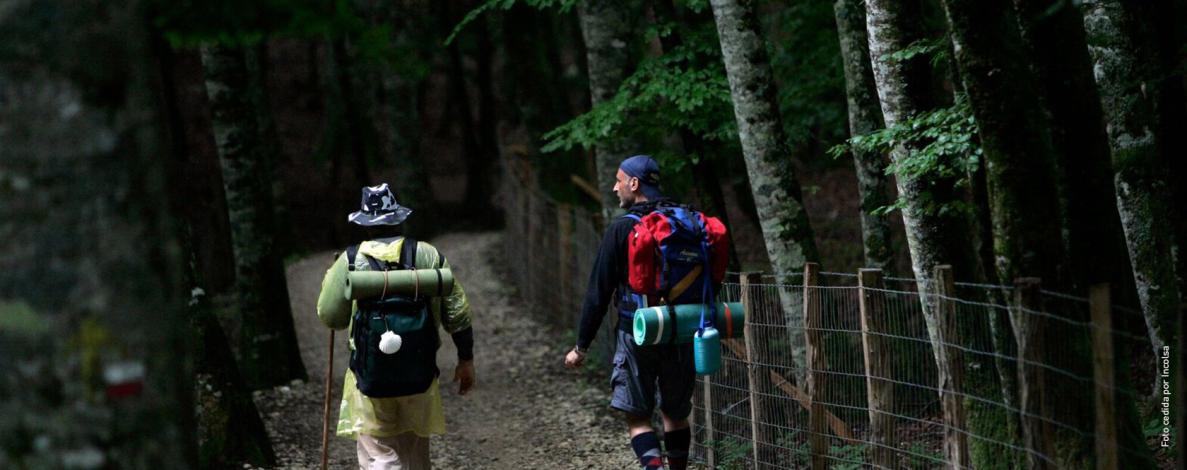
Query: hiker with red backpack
x=658 y=253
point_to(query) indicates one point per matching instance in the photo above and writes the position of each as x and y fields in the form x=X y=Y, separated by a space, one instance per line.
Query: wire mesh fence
x=878 y=372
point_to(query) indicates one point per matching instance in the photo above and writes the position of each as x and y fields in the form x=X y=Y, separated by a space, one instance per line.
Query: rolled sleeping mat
x=422 y=282
x=655 y=325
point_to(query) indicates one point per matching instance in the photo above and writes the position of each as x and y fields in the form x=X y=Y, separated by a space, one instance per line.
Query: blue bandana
x=644 y=168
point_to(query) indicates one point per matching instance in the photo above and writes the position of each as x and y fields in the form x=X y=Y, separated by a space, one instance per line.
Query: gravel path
x=526 y=411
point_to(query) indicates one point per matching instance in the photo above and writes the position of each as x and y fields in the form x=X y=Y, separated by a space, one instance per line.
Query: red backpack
x=678 y=254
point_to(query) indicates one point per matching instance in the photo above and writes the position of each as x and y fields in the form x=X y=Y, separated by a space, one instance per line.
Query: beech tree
x=267 y=341
x=606 y=27
x=1123 y=70
x=865 y=116
x=777 y=196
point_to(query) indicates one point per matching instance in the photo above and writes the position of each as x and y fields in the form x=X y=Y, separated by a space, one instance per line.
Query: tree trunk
x=482 y=194
x=606 y=28
x=1025 y=211
x=903 y=91
x=268 y=344
x=257 y=70
x=229 y=428
x=1014 y=136
x=865 y=117
x=1123 y=70
x=93 y=344
x=1054 y=35
x=356 y=140
x=786 y=230
x=477 y=151
x=340 y=141
x=936 y=237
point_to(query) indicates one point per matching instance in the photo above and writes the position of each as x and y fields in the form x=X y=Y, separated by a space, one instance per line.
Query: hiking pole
x=325 y=426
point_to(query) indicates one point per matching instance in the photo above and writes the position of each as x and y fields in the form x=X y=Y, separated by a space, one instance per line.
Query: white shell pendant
x=390 y=342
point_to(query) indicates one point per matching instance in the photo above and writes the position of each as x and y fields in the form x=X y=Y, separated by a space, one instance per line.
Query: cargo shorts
x=644 y=374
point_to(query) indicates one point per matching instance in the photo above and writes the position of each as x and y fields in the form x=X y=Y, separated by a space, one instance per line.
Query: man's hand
x=574 y=359
x=464 y=376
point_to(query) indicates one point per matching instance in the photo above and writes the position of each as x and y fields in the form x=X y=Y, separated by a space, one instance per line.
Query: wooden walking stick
x=325 y=427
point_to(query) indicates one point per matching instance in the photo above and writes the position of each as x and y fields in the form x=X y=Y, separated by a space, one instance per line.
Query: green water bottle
x=706 y=350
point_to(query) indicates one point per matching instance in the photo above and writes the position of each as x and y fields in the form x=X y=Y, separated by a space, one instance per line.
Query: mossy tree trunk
x=268 y=350
x=777 y=197
x=230 y=431
x=1015 y=139
x=1125 y=72
x=904 y=91
x=606 y=26
x=94 y=366
x=1053 y=33
x=1020 y=162
x=865 y=116
x=936 y=237
x=229 y=428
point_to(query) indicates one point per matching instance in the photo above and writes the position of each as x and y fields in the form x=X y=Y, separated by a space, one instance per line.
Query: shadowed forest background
x=162 y=162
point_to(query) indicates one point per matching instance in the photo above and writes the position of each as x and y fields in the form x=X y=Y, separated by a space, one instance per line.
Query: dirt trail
x=526 y=411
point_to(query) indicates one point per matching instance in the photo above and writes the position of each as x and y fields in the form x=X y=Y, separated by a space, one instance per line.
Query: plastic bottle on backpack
x=706 y=350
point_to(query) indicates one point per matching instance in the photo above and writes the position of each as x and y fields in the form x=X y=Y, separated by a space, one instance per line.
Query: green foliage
x=684 y=89
x=491 y=5
x=806 y=63
x=947 y=150
x=732 y=452
x=189 y=24
x=919 y=456
x=932 y=47
x=848 y=456
x=192 y=24
x=843 y=457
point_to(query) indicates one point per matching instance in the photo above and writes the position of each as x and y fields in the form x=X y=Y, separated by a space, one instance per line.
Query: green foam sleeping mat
x=654 y=325
x=420 y=282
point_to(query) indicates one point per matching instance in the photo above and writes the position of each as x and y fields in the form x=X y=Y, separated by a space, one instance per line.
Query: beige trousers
x=406 y=451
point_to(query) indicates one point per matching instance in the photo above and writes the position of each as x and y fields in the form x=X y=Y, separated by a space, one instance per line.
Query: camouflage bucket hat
x=379 y=208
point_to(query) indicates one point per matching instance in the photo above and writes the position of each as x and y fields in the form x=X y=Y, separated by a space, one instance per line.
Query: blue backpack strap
x=628 y=295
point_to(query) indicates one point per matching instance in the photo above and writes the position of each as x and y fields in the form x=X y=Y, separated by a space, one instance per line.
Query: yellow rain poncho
x=383 y=417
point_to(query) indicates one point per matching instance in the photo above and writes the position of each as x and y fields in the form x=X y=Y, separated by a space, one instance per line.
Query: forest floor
x=526 y=410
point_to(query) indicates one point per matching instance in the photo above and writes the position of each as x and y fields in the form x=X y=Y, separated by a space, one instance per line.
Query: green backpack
x=412 y=368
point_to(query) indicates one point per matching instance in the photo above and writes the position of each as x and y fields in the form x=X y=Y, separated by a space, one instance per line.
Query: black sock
x=677 y=444
x=646 y=446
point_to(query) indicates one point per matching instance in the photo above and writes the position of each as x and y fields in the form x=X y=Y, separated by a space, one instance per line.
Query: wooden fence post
x=710 y=438
x=950 y=369
x=1029 y=333
x=1102 y=367
x=759 y=382
x=817 y=424
x=879 y=368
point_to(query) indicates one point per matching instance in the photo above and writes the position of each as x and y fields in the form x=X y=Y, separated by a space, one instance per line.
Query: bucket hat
x=379 y=208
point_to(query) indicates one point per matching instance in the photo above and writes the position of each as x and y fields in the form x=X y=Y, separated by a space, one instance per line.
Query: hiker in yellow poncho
x=391 y=403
